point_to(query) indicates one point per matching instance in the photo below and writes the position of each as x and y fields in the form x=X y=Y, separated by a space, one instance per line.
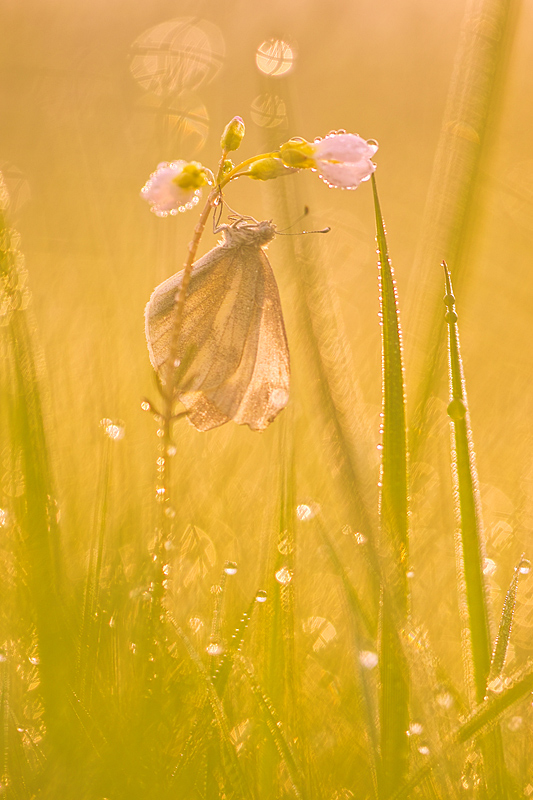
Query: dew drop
x=215 y=648
x=113 y=430
x=230 y=568
x=145 y=405
x=195 y=624
x=456 y=409
x=489 y=566
x=284 y=576
x=524 y=567
x=368 y=659
x=261 y=596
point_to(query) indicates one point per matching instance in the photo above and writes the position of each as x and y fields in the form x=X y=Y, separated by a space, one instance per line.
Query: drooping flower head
x=174 y=187
x=341 y=159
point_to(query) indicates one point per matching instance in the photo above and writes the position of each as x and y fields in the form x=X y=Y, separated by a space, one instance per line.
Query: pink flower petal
x=343 y=147
x=345 y=176
x=164 y=196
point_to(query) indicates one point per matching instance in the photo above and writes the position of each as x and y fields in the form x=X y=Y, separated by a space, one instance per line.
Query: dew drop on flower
x=230 y=568
x=261 y=596
x=368 y=659
x=284 y=576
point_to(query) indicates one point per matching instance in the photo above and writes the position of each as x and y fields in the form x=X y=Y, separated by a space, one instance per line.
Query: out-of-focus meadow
x=93 y=96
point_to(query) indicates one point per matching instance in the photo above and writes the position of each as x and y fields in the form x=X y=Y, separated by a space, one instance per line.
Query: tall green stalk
x=394 y=607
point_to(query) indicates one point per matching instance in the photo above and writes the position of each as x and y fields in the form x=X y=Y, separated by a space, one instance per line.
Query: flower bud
x=268 y=168
x=233 y=135
x=192 y=176
x=297 y=153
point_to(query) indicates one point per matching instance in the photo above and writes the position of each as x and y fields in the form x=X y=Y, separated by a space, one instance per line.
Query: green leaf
x=394 y=674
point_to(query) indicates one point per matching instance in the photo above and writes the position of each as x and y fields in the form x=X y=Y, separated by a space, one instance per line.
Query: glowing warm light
x=274 y=57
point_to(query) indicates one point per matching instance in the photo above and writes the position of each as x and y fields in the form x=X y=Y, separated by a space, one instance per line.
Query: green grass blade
x=470 y=546
x=275 y=728
x=394 y=701
x=481 y=722
x=234 y=768
x=466 y=495
x=506 y=622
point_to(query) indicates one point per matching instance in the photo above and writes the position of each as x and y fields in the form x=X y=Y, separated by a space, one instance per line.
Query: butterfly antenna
x=296 y=221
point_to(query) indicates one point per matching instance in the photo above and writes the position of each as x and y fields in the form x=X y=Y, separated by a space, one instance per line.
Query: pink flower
x=173 y=187
x=343 y=160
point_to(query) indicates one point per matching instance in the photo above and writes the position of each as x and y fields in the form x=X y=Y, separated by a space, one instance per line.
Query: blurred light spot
x=216 y=588
x=240 y=733
x=3 y=517
x=176 y=55
x=515 y=723
x=34 y=660
x=489 y=566
x=307 y=511
x=423 y=750
x=268 y=111
x=415 y=729
x=182 y=118
x=368 y=659
x=215 y=648
x=17 y=185
x=284 y=576
x=113 y=430
x=496 y=685
x=326 y=631
x=444 y=699
x=170 y=512
x=195 y=624
x=274 y=57
x=285 y=544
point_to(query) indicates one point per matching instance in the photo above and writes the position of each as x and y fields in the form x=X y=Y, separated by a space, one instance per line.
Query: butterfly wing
x=234 y=359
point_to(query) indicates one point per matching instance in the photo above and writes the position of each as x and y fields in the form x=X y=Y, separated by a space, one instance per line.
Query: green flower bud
x=227 y=166
x=192 y=176
x=298 y=153
x=233 y=135
x=268 y=168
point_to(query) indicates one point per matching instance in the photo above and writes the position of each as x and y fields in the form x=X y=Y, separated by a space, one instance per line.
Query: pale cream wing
x=232 y=344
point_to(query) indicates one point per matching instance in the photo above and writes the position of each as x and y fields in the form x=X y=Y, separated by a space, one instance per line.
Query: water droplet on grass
x=230 y=568
x=284 y=576
x=261 y=596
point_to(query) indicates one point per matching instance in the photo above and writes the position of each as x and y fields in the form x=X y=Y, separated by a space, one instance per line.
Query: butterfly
x=232 y=351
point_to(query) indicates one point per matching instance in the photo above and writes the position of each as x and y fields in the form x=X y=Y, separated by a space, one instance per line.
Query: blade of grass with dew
x=394 y=699
x=362 y=628
x=275 y=728
x=279 y=675
x=38 y=515
x=470 y=546
x=506 y=622
x=236 y=774
x=480 y=723
x=87 y=659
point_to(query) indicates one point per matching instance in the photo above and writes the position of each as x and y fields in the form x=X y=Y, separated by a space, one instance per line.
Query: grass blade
x=506 y=621
x=394 y=703
x=470 y=547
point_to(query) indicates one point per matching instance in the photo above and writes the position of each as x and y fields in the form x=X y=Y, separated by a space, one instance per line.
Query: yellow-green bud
x=192 y=176
x=268 y=168
x=227 y=166
x=233 y=135
x=298 y=153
